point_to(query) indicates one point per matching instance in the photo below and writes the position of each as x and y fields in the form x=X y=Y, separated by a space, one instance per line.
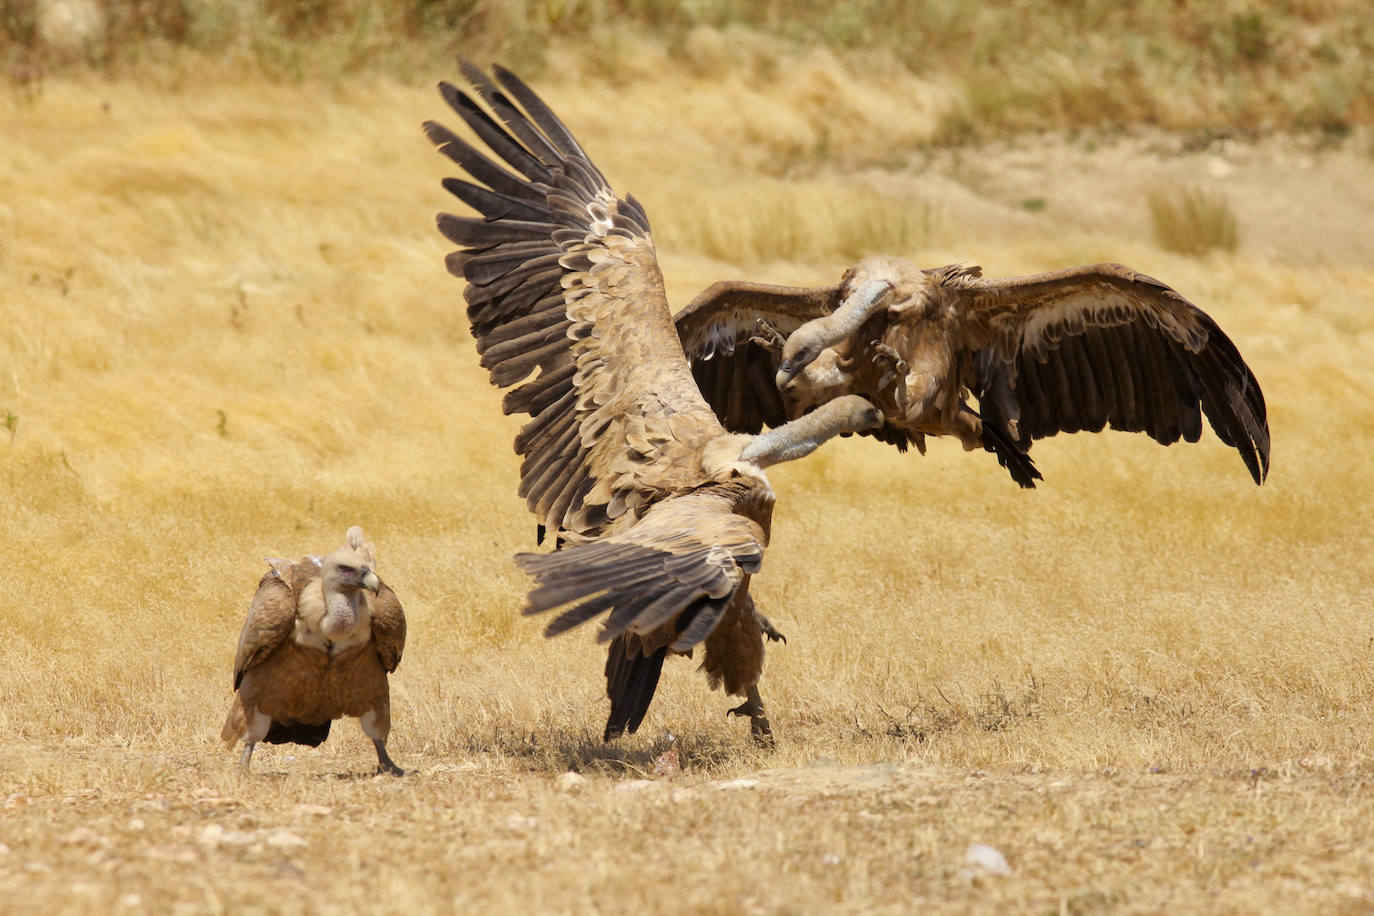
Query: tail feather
x=298 y=733
x=631 y=679
x=1017 y=462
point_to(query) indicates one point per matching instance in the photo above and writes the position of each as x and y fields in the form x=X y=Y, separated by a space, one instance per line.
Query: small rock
x=4 y=850
x=314 y=810
x=830 y=858
x=17 y=800
x=131 y=901
x=570 y=781
x=1218 y=167
x=521 y=822
x=182 y=854
x=215 y=835
x=634 y=785
x=84 y=836
x=986 y=859
x=285 y=839
x=136 y=824
x=745 y=783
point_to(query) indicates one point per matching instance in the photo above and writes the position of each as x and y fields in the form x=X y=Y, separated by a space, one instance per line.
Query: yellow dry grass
x=225 y=333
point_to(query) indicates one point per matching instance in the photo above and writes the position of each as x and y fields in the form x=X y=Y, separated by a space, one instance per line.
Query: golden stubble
x=226 y=333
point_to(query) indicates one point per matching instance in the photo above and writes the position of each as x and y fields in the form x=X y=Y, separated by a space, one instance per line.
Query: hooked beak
x=371 y=582
x=786 y=373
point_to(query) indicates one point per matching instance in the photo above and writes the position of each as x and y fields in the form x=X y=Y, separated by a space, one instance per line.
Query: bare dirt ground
x=227 y=334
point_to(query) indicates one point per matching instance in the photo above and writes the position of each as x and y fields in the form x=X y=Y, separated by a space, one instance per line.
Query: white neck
x=341 y=613
x=802 y=436
x=853 y=312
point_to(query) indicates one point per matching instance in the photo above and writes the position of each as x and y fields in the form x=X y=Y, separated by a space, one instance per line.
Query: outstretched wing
x=563 y=283
x=721 y=332
x=673 y=573
x=1102 y=345
x=272 y=615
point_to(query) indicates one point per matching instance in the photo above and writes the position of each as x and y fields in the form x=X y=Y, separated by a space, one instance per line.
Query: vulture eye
x=347 y=570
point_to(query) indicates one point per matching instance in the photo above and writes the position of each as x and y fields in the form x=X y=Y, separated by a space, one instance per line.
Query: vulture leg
x=256 y=726
x=384 y=762
x=377 y=725
x=758 y=719
x=734 y=659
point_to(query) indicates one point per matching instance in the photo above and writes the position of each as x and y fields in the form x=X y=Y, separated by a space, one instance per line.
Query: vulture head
x=347 y=570
x=864 y=290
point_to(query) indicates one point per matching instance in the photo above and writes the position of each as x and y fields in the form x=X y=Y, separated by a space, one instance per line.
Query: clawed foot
x=769 y=337
x=759 y=728
x=770 y=631
x=385 y=765
x=893 y=371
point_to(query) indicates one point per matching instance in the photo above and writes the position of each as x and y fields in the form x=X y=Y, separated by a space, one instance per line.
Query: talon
x=884 y=353
x=768 y=337
x=759 y=728
x=744 y=709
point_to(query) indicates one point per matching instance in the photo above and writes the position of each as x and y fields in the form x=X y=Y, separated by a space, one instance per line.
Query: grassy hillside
x=226 y=333
x=1005 y=65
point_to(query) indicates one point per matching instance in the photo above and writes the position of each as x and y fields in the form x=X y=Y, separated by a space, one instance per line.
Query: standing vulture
x=660 y=513
x=1070 y=350
x=320 y=638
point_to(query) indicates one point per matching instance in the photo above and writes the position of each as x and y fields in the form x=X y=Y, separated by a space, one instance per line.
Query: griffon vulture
x=320 y=638
x=1070 y=350
x=661 y=514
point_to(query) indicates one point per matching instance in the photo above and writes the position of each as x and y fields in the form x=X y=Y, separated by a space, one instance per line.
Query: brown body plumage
x=660 y=513
x=320 y=638
x=1077 y=349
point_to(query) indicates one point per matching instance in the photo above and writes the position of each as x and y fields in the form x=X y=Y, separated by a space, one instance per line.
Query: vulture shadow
x=586 y=752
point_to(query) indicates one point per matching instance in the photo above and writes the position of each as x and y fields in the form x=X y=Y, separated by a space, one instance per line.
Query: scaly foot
x=759 y=727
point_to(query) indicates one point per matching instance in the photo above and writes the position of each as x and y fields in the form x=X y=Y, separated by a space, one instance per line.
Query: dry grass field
x=226 y=333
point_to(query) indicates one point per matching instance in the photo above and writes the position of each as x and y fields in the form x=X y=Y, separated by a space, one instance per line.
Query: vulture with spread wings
x=661 y=515
x=1077 y=349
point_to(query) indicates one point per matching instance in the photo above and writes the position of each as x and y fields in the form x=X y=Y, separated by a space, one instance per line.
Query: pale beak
x=786 y=373
x=371 y=582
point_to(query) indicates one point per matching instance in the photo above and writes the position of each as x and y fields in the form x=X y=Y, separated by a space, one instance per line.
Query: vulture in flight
x=1077 y=349
x=320 y=638
x=661 y=514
